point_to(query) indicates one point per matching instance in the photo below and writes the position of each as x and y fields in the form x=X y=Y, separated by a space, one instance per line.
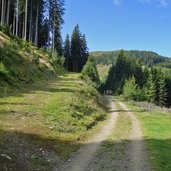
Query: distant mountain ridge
x=148 y=58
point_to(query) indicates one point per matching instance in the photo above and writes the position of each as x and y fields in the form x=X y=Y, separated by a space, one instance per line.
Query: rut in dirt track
x=134 y=157
x=81 y=159
x=137 y=152
x=123 y=154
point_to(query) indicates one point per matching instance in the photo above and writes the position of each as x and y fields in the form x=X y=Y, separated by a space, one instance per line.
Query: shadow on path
x=26 y=153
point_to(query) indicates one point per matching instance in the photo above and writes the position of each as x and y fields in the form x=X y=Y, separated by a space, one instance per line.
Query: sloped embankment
x=22 y=63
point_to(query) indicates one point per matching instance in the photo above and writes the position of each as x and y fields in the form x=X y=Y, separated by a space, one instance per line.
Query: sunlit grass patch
x=157 y=135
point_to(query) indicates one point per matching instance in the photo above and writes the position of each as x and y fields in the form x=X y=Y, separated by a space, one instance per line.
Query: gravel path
x=82 y=158
x=129 y=156
x=137 y=152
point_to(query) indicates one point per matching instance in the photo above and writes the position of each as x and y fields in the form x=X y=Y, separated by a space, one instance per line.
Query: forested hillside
x=146 y=57
x=127 y=76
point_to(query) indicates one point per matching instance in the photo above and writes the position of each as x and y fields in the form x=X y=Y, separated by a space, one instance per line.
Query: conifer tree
x=156 y=87
x=110 y=80
x=8 y=12
x=79 y=50
x=56 y=12
x=2 y=11
x=37 y=23
x=67 y=53
x=122 y=71
x=155 y=78
x=90 y=71
x=25 y=25
x=130 y=89
x=84 y=52
x=76 y=48
x=162 y=90
x=150 y=89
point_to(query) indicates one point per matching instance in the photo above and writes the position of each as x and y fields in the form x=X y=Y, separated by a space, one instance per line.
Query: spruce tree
x=67 y=53
x=111 y=79
x=122 y=71
x=162 y=90
x=158 y=87
x=76 y=52
x=56 y=12
x=90 y=71
x=150 y=89
x=130 y=88
x=84 y=52
x=155 y=77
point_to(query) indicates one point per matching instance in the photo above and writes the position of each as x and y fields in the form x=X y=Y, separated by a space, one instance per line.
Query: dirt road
x=136 y=150
x=82 y=158
x=134 y=157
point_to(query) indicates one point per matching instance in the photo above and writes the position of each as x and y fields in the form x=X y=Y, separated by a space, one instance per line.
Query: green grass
x=157 y=134
x=120 y=134
x=123 y=126
x=57 y=115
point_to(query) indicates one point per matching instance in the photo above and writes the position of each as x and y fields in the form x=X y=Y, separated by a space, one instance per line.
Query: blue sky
x=122 y=24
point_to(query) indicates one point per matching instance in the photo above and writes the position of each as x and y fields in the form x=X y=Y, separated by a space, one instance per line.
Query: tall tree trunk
x=49 y=34
x=17 y=17
x=31 y=20
x=37 y=24
x=25 y=31
x=8 y=11
x=54 y=27
x=0 y=9
x=2 y=13
x=5 y=3
x=20 y=29
x=14 y=22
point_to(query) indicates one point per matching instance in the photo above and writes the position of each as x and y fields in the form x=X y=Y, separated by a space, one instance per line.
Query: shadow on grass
x=123 y=111
x=69 y=90
x=8 y=103
x=46 y=86
x=31 y=152
x=4 y=112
